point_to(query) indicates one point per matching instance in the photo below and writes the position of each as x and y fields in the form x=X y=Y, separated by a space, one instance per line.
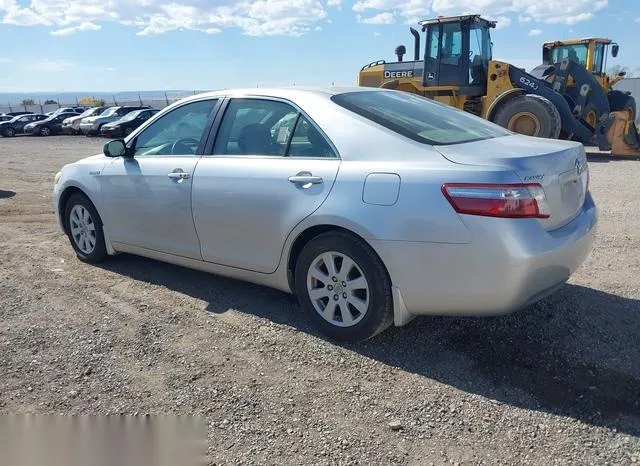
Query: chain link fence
x=156 y=101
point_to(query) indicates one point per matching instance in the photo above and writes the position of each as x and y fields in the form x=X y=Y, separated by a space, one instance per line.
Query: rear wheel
x=344 y=287
x=45 y=131
x=530 y=115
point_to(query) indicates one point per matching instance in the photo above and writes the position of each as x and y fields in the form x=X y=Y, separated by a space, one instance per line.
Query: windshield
x=577 y=53
x=131 y=116
x=90 y=112
x=16 y=118
x=419 y=118
x=109 y=112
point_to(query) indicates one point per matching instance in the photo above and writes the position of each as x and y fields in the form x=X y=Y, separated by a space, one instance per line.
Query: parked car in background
x=17 y=124
x=373 y=206
x=13 y=114
x=51 y=125
x=72 y=124
x=5 y=117
x=125 y=125
x=92 y=125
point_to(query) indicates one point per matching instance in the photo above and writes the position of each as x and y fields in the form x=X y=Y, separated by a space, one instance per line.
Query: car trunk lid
x=559 y=166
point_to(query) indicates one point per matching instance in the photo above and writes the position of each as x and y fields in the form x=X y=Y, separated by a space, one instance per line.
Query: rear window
x=419 y=118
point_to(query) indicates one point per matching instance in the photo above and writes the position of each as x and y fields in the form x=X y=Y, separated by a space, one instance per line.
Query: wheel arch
x=64 y=198
x=312 y=232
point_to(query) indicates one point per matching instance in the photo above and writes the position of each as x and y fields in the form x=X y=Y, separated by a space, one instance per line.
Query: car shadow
x=575 y=354
x=6 y=194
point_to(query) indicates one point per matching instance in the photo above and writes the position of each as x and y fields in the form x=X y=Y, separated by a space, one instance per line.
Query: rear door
x=270 y=167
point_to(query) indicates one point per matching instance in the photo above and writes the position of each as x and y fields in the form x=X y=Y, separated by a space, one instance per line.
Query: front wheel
x=531 y=115
x=84 y=229
x=9 y=132
x=45 y=131
x=344 y=287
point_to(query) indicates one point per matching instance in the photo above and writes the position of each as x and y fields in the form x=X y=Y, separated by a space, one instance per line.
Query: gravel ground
x=557 y=383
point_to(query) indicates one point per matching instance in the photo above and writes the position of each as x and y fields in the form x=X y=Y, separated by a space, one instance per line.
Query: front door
x=270 y=168
x=148 y=194
x=444 y=58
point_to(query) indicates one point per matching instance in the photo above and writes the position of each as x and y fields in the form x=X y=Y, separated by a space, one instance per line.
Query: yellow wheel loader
x=564 y=97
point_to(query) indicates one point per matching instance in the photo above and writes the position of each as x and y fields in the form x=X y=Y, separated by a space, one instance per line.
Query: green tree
x=50 y=102
x=26 y=102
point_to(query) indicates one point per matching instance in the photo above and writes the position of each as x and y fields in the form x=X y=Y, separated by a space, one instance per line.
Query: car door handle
x=179 y=175
x=305 y=179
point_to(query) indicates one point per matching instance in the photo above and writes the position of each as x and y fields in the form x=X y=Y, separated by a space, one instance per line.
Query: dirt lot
x=558 y=383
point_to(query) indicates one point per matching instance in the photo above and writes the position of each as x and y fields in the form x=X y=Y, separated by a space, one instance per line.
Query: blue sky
x=112 y=45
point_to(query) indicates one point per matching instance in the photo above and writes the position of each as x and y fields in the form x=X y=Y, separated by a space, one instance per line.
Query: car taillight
x=497 y=200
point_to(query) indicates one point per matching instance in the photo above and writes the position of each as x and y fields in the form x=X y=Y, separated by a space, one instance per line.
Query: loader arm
x=532 y=85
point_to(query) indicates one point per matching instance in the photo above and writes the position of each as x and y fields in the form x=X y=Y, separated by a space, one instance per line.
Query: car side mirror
x=115 y=148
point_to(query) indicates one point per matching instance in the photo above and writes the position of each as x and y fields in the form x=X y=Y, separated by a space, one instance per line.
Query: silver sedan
x=371 y=205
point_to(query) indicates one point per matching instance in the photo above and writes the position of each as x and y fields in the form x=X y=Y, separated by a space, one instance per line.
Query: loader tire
x=529 y=114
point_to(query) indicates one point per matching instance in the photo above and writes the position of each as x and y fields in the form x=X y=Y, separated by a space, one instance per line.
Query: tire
x=530 y=114
x=44 y=131
x=9 y=132
x=75 y=208
x=368 y=287
x=619 y=101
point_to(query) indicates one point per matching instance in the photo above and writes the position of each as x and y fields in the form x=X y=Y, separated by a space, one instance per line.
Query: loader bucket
x=618 y=133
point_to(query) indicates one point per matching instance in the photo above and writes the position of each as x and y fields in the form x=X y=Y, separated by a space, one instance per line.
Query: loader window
x=419 y=118
x=577 y=53
x=598 y=58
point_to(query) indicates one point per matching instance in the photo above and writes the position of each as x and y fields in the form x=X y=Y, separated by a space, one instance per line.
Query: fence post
x=166 y=99
x=115 y=102
x=140 y=99
x=10 y=108
x=41 y=107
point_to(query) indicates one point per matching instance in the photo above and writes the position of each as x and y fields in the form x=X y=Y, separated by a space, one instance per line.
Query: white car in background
x=72 y=125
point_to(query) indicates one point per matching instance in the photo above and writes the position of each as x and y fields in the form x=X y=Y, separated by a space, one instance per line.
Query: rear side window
x=419 y=118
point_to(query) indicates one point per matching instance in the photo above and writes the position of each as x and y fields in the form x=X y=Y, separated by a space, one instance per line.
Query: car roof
x=285 y=92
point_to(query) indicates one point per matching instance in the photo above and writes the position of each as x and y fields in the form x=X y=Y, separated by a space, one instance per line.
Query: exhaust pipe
x=416 y=44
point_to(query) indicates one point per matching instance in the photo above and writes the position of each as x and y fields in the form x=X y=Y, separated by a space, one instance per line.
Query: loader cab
x=591 y=53
x=457 y=54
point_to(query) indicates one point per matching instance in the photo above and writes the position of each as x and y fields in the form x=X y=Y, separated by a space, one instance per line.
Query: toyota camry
x=372 y=206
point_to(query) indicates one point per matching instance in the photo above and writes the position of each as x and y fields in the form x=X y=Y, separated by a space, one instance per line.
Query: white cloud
x=254 y=17
x=380 y=18
x=542 y=11
x=535 y=32
x=73 y=29
x=638 y=19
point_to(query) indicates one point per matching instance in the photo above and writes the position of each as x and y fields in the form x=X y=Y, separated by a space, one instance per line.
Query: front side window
x=176 y=133
x=418 y=118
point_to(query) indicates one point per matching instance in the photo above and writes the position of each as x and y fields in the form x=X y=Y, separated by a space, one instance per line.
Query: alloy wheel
x=83 y=229
x=338 y=289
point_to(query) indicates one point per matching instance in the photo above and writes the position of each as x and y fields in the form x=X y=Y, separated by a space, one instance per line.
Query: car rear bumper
x=509 y=264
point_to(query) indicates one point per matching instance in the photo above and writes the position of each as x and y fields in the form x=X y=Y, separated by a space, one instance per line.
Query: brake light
x=498 y=200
